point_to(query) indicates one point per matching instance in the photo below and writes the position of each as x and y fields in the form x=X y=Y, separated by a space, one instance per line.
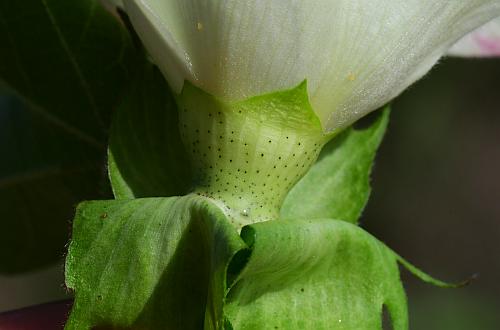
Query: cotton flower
x=356 y=55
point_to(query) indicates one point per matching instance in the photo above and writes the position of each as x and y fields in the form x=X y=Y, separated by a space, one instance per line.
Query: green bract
x=315 y=274
x=149 y=261
x=161 y=263
x=155 y=263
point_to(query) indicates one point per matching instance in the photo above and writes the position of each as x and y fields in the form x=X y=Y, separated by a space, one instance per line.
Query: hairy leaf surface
x=315 y=274
x=153 y=263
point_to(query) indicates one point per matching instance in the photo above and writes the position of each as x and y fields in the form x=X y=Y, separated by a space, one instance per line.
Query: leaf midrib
x=40 y=110
x=74 y=63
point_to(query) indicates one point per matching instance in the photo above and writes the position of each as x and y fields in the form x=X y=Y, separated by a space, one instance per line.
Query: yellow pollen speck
x=199 y=26
x=351 y=76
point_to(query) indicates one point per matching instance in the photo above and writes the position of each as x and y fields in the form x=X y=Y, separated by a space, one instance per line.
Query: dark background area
x=436 y=193
x=435 y=199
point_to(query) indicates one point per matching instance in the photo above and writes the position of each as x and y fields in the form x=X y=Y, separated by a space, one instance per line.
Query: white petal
x=482 y=42
x=355 y=54
x=155 y=29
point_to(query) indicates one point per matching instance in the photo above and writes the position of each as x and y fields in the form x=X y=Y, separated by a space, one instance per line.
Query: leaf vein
x=74 y=64
x=55 y=120
x=17 y=61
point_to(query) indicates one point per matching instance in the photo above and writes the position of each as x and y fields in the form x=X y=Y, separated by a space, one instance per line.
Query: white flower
x=355 y=54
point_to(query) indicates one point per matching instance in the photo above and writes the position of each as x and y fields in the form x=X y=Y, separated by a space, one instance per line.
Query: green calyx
x=246 y=156
x=153 y=260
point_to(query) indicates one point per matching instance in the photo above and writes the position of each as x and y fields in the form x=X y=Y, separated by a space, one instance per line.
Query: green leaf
x=154 y=263
x=44 y=172
x=338 y=185
x=70 y=65
x=65 y=65
x=146 y=154
x=318 y=274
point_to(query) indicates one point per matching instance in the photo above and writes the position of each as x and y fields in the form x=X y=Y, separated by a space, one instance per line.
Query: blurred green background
x=435 y=200
x=436 y=193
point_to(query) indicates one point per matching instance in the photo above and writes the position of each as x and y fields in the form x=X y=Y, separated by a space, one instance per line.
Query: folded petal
x=482 y=42
x=355 y=54
x=158 y=32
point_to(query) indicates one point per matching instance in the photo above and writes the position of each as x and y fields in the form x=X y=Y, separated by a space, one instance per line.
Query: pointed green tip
x=429 y=279
x=289 y=107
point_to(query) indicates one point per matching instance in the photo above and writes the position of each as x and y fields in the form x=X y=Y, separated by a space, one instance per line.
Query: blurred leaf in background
x=45 y=172
x=61 y=77
x=436 y=192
